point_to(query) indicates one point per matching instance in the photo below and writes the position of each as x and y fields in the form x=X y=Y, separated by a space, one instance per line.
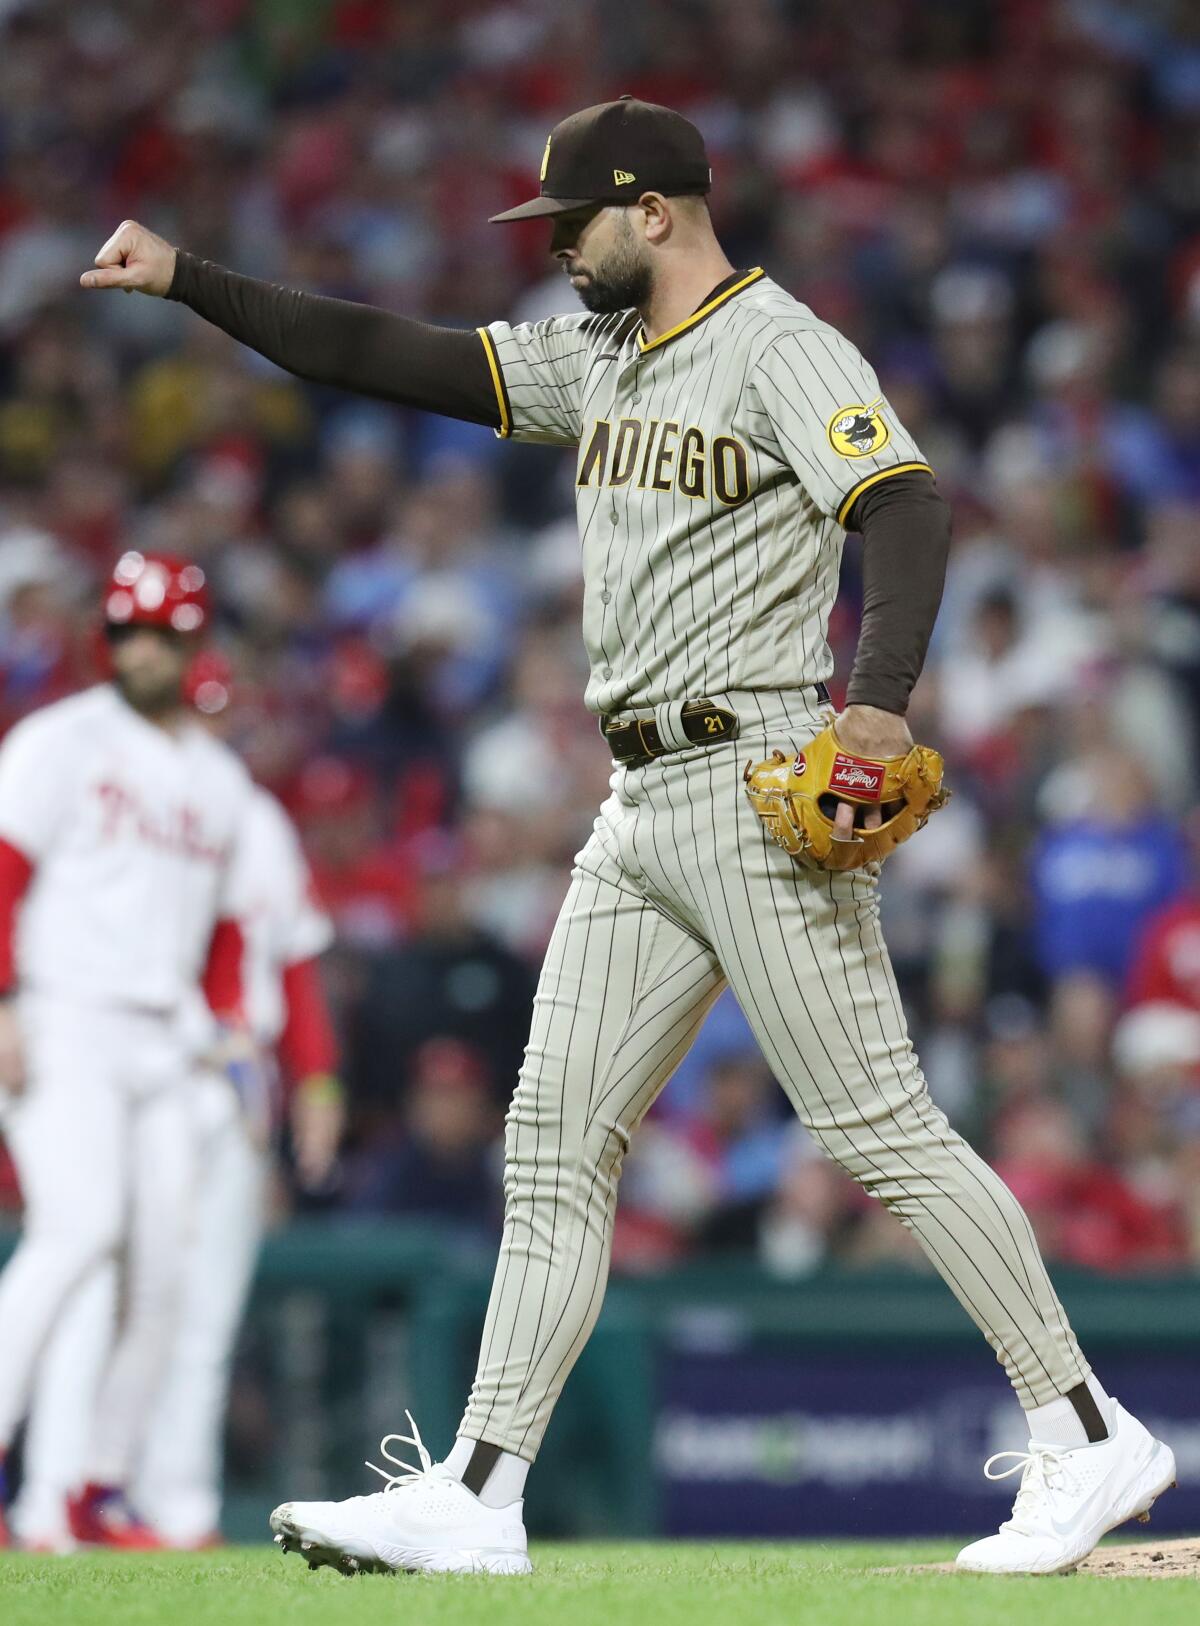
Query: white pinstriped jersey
x=716 y=467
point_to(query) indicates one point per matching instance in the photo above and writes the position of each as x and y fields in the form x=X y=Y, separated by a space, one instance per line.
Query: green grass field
x=660 y=1584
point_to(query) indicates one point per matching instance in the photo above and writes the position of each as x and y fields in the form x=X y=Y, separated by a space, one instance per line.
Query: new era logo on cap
x=622 y=177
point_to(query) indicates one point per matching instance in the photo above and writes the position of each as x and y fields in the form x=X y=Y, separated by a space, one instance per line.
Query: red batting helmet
x=156 y=590
x=208 y=685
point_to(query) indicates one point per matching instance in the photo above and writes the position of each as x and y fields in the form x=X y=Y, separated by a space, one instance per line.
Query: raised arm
x=329 y=341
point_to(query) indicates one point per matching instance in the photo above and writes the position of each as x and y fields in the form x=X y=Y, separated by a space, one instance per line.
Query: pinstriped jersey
x=716 y=467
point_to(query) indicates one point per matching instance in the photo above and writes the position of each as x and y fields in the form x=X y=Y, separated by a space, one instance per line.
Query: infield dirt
x=1179 y=1560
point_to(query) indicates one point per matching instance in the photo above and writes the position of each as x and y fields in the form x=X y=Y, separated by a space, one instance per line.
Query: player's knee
x=876 y=1175
x=550 y=1169
x=537 y=1105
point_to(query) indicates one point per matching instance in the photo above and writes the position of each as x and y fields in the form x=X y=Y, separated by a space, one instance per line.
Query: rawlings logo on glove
x=856 y=776
x=798 y=800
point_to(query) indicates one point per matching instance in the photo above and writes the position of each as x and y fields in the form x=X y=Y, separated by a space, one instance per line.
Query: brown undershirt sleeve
x=355 y=347
x=905 y=526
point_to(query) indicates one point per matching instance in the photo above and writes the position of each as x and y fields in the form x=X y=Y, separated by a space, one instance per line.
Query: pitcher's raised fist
x=135 y=259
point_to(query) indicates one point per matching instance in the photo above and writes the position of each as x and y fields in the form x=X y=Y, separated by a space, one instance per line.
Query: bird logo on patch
x=858 y=430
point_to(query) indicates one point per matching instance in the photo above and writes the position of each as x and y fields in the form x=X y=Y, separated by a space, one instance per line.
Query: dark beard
x=155 y=703
x=607 y=295
x=620 y=289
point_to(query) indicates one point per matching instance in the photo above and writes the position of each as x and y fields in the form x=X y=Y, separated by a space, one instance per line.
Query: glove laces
x=408 y=1475
x=1041 y=1468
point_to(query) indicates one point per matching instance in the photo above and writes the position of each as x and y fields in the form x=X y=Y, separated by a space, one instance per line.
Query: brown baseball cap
x=614 y=152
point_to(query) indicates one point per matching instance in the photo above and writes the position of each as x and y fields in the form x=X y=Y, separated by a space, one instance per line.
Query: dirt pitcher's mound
x=1177 y=1559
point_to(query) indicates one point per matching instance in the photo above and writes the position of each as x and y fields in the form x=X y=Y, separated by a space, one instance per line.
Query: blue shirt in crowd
x=1094 y=887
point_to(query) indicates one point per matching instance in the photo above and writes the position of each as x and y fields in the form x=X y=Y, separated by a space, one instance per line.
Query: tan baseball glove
x=797 y=799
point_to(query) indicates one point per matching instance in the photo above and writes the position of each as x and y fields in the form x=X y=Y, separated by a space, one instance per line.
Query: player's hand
x=868 y=732
x=318 y=1121
x=134 y=259
x=12 y=1050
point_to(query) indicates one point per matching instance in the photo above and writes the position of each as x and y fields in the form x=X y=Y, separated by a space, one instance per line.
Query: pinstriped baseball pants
x=677 y=893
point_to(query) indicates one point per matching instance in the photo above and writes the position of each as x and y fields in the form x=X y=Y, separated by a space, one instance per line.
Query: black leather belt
x=637 y=741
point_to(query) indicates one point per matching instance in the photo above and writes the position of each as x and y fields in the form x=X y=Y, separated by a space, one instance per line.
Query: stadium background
x=1000 y=203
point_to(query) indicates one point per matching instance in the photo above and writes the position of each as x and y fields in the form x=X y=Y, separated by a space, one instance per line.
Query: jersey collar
x=722 y=292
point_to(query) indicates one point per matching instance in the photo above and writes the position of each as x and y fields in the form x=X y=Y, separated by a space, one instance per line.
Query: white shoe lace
x=408 y=1475
x=1042 y=1469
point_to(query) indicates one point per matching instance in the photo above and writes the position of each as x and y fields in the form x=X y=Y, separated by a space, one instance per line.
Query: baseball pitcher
x=725 y=440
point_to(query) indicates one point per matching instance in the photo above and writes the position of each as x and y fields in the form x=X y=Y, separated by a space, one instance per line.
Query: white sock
x=506 y=1482
x=1058 y=1423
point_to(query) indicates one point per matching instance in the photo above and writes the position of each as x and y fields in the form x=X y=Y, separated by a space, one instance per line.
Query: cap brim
x=541 y=206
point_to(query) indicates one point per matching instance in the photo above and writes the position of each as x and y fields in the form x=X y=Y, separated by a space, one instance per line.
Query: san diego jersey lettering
x=690 y=586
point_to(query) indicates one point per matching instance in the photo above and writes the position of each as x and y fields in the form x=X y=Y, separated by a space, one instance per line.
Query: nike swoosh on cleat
x=1087 y=1513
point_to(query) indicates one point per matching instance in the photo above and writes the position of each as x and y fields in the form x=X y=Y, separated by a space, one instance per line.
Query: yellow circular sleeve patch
x=858 y=430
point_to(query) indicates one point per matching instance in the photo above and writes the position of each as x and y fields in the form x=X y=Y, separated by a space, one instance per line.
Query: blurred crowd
x=998 y=200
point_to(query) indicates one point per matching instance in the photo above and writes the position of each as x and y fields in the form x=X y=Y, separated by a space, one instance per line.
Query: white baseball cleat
x=423 y=1519
x=1069 y=1499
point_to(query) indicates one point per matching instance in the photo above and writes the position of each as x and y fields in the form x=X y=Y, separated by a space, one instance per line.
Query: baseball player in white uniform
x=119 y=818
x=177 y=1480
x=725 y=440
x=179 y=1477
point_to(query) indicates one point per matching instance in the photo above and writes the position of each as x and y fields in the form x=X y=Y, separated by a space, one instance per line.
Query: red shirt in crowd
x=1166 y=967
